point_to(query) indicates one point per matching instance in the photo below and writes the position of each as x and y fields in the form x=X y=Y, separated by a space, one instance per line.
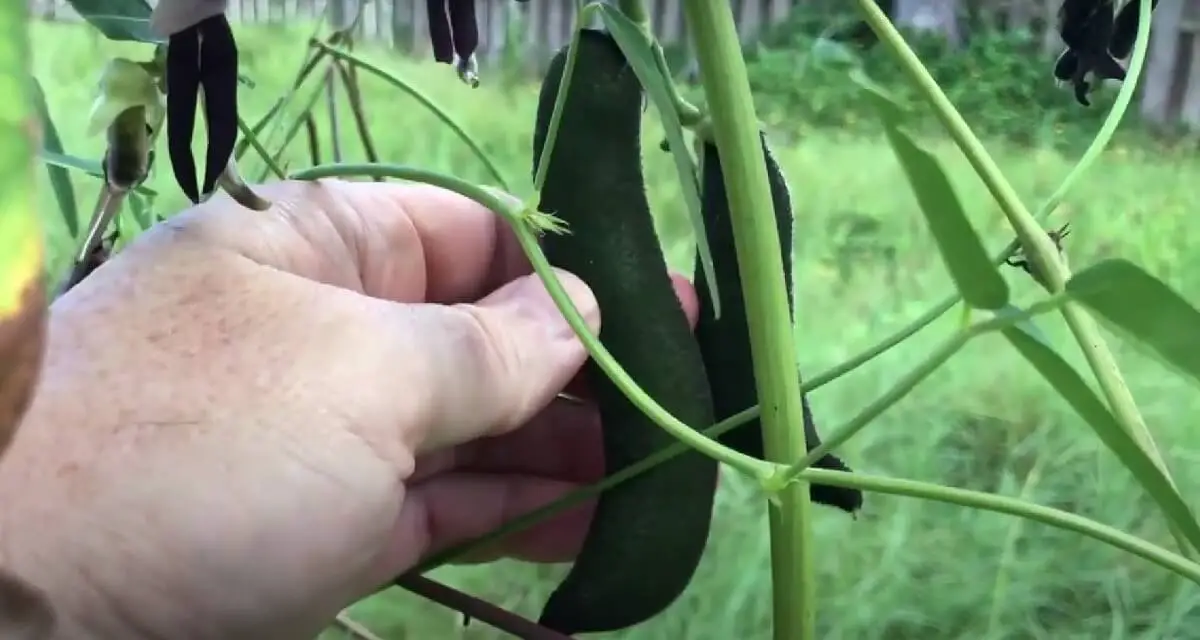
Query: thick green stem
x=1037 y=244
x=893 y=486
x=772 y=341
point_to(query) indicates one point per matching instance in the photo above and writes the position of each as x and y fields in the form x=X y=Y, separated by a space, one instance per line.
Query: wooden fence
x=1170 y=92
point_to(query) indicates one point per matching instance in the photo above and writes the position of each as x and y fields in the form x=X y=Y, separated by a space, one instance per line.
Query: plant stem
x=438 y=111
x=294 y=130
x=772 y=341
x=560 y=101
x=335 y=129
x=916 y=376
x=251 y=138
x=868 y=414
x=1104 y=136
x=524 y=220
x=358 y=110
x=1057 y=518
x=476 y=609
x=1036 y=243
x=520 y=523
x=689 y=114
x=244 y=144
x=312 y=59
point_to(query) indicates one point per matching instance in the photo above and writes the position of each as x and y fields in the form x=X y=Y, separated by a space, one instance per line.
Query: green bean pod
x=725 y=343
x=648 y=534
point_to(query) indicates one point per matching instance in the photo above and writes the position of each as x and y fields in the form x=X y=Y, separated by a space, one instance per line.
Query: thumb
x=496 y=363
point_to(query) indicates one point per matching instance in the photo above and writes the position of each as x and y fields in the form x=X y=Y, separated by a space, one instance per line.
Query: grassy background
x=865 y=267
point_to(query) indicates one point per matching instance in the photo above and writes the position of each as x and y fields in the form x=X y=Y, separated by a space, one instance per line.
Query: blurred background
x=865 y=268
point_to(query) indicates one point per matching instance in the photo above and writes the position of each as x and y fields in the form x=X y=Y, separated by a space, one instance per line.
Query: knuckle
x=489 y=345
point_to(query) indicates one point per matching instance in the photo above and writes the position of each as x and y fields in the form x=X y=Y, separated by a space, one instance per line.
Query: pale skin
x=247 y=421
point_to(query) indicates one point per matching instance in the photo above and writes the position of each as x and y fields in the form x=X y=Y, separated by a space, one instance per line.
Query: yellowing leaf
x=124 y=84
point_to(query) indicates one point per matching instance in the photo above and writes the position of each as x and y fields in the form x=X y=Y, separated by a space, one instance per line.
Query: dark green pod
x=725 y=343
x=127 y=160
x=649 y=533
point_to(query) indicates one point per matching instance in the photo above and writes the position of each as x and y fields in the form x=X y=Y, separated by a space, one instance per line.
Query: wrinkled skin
x=302 y=402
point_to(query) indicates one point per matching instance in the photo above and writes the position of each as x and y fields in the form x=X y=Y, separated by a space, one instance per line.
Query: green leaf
x=640 y=52
x=1013 y=316
x=120 y=20
x=125 y=84
x=60 y=178
x=827 y=51
x=974 y=273
x=1144 y=308
x=890 y=107
x=22 y=249
x=90 y=167
x=139 y=209
x=1068 y=383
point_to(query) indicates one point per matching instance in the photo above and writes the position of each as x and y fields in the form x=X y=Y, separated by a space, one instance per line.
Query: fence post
x=1159 y=80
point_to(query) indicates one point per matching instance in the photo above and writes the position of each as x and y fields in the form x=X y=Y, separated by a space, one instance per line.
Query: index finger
x=469 y=250
x=403 y=242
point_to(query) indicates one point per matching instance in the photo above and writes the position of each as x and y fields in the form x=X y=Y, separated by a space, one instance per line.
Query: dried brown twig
x=344 y=622
x=476 y=609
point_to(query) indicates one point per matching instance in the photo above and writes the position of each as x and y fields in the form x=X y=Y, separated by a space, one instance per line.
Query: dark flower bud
x=454 y=36
x=202 y=55
x=1086 y=27
x=1125 y=31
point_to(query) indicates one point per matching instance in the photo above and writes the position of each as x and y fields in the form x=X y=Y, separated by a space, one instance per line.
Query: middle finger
x=563 y=442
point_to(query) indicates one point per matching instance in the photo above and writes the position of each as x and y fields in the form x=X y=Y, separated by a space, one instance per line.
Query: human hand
x=248 y=421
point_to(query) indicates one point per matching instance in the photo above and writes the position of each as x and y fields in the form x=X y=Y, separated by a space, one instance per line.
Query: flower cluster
x=202 y=55
x=1097 y=35
x=454 y=34
x=202 y=68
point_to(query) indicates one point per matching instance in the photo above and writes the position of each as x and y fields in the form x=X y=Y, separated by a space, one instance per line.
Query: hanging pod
x=647 y=534
x=125 y=166
x=1126 y=27
x=454 y=36
x=725 y=342
x=1094 y=39
x=202 y=56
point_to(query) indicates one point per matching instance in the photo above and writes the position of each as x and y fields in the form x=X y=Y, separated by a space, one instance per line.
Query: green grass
x=865 y=267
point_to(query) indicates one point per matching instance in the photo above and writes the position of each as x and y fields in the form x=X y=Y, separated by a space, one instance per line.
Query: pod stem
x=772 y=340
